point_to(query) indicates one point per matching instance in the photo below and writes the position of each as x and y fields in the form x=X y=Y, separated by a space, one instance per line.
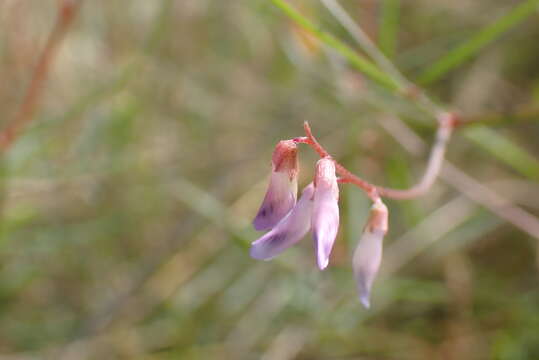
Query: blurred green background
x=126 y=204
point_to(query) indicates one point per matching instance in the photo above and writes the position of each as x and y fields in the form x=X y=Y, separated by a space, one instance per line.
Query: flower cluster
x=288 y=220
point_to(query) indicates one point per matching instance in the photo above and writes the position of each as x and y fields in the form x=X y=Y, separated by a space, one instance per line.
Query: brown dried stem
x=66 y=13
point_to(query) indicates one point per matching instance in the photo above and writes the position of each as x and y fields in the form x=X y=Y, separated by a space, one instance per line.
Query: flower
x=368 y=253
x=291 y=229
x=283 y=186
x=325 y=219
x=317 y=209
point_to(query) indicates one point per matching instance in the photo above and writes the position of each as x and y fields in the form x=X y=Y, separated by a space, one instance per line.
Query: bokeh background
x=126 y=204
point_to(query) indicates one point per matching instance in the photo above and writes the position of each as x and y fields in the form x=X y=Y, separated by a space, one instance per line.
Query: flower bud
x=368 y=253
x=325 y=219
x=283 y=186
x=291 y=229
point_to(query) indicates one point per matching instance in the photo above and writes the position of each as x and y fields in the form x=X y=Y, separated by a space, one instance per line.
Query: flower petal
x=366 y=262
x=279 y=199
x=368 y=253
x=282 y=191
x=325 y=221
x=288 y=231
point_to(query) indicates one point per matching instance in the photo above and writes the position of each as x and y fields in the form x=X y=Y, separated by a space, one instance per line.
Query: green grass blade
x=205 y=204
x=472 y=46
x=356 y=60
x=389 y=27
x=504 y=150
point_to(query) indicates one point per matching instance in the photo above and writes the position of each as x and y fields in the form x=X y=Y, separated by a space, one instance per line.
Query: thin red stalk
x=24 y=116
x=346 y=175
x=446 y=124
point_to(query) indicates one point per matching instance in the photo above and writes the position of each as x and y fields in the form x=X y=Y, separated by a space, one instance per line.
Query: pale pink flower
x=283 y=186
x=368 y=253
x=291 y=229
x=317 y=210
x=325 y=218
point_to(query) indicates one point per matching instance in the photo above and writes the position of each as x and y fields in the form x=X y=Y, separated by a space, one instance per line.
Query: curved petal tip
x=291 y=229
x=322 y=260
x=260 y=252
x=364 y=299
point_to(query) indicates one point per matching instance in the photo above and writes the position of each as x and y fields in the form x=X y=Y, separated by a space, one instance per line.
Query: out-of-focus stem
x=66 y=14
x=412 y=91
x=357 y=60
x=409 y=90
x=525 y=113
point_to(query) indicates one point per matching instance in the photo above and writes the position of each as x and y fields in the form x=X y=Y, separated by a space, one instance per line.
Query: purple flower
x=287 y=222
x=283 y=186
x=368 y=253
x=325 y=219
x=291 y=229
x=317 y=209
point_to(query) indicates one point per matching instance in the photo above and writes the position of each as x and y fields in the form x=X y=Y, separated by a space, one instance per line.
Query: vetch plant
x=317 y=210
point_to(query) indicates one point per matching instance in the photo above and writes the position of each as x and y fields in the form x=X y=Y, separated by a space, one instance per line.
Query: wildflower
x=291 y=229
x=287 y=222
x=283 y=186
x=368 y=253
x=317 y=209
x=325 y=219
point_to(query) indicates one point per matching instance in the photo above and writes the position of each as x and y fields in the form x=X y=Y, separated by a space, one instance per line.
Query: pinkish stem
x=446 y=122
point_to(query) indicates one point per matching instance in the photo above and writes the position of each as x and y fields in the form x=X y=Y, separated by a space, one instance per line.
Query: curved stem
x=434 y=164
x=446 y=125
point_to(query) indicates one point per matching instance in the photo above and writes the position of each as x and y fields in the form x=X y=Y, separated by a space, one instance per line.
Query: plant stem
x=66 y=14
x=361 y=63
x=374 y=192
x=409 y=90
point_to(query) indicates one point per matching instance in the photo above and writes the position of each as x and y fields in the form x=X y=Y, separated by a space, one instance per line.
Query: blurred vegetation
x=126 y=205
